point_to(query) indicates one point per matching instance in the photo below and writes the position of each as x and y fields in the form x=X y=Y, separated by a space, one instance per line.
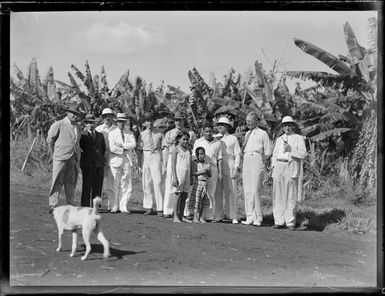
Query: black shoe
x=278 y=226
x=148 y=212
x=50 y=211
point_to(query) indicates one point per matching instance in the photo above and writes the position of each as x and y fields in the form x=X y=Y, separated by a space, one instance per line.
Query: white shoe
x=257 y=224
x=235 y=221
x=247 y=222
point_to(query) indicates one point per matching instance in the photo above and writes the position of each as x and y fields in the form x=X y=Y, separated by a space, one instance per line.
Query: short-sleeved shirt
x=213 y=149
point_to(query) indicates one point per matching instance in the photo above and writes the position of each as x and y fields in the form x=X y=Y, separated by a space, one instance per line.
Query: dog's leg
x=86 y=237
x=60 y=236
x=106 y=245
x=74 y=242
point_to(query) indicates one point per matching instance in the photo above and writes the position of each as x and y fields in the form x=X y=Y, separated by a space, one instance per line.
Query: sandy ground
x=149 y=251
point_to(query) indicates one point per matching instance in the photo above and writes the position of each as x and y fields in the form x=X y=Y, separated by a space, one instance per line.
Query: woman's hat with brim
x=178 y=115
x=73 y=108
x=287 y=120
x=122 y=117
x=224 y=120
x=90 y=118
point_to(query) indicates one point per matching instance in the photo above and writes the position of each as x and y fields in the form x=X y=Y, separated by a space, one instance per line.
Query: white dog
x=71 y=218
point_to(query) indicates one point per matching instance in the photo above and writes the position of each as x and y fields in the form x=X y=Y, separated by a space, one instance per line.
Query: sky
x=164 y=45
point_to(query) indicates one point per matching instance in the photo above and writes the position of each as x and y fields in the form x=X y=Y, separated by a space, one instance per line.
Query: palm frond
x=258 y=74
x=103 y=79
x=75 y=86
x=356 y=51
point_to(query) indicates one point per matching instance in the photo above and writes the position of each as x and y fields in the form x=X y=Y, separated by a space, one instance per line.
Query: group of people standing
x=200 y=174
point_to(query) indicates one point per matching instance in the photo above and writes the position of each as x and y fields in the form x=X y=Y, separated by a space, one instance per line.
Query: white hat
x=107 y=111
x=224 y=120
x=218 y=135
x=122 y=117
x=287 y=119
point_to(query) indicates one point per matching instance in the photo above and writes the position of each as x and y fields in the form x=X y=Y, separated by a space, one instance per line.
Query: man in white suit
x=122 y=143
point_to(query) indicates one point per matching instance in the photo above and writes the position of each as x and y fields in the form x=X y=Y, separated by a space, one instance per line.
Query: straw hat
x=122 y=117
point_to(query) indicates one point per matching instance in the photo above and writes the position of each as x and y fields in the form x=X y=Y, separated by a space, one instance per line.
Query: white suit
x=257 y=148
x=287 y=168
x=226 y=189
x=121 y=167
x=150 y=143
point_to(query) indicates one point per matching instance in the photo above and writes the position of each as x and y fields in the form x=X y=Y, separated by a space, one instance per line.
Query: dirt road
x=148 y=250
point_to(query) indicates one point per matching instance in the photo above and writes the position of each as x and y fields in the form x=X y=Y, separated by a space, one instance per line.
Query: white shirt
x=120 y=149
x=213 y=149
x=297 y=144
x=74 y=128
x=258 y=142
x=105 y=130
x=232 y=148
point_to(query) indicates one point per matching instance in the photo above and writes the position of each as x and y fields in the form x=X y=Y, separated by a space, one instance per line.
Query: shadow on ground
x=310 y=220
x=115 y=253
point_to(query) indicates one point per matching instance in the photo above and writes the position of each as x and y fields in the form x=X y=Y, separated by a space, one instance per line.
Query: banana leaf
x=212 y=80
x=179 y=94
x=258 y=100
x=78 y=73
x=330 y=133
x=88 y=81
x=168 y=103
x=259 y=74
x=23 y=81
x=356 y=51
x=75 y=86
x=103 y=79
x=327 y=58
x=96 y=84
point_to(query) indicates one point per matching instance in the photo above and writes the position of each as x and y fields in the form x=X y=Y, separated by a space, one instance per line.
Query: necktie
x=121 y=131
x=246 y=140
x=152 y=145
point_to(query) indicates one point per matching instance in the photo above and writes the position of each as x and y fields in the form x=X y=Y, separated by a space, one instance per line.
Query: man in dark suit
x=92 y=161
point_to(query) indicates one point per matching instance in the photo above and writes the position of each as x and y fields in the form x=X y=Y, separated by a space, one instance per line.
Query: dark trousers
x=92 y=184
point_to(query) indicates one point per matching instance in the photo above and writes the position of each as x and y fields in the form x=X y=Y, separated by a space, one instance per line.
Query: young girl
x=198 y=198
x=181 y=167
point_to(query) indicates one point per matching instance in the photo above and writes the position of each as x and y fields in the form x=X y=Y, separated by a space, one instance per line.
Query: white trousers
x=253 y=175
x=122 y=186
x=152 y=179
x=168 y=203
x=211 y=188
x=285 y=193
x=108 y=183
x=225 y=193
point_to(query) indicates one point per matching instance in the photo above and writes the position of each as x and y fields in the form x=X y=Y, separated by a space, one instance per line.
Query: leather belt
x=282 y=160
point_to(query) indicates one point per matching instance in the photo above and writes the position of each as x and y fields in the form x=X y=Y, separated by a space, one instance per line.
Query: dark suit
x=92 y=164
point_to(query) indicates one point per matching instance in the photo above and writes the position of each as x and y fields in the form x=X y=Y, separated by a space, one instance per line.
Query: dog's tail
x=96 y=204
